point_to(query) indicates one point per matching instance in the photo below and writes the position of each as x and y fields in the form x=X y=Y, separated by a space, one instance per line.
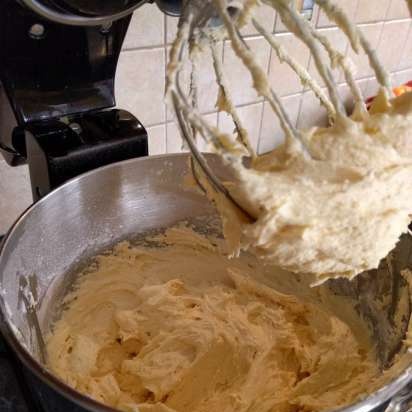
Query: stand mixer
x=57 y=67
x=57 y=114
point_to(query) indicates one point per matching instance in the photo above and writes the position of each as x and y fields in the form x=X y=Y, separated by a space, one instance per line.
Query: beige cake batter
x=337 y=211
x=331 y=202
x=183 y=328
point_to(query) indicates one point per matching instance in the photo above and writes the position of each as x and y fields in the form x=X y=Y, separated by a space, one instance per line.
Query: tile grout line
x=223 y=65
x=387 y=10
x=168 y=120
x=165 y=45
x=289 y=95
x=357 y=9
x=302 y=92
x=281 y=33
x=379 y=43
x=406 y=41
x=268 y=67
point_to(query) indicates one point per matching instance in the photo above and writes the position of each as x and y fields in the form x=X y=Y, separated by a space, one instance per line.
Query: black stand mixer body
x=57 y=88
x=58 y=115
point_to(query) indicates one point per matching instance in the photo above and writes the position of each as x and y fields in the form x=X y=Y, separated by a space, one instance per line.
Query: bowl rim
x=373 y=400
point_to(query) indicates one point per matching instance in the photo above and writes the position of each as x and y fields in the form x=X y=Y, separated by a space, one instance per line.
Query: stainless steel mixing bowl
x=76 y=221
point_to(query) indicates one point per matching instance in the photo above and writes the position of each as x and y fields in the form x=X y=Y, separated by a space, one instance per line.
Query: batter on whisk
x=330 y=202
x=340 y=208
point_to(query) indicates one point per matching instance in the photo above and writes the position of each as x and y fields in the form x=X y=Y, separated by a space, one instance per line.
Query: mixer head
x=93 y=12
x=58 y=61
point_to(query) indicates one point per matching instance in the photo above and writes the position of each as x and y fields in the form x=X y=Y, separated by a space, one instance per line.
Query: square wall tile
x=339 y=41
x=372 y=33
x=282 y=78
x=146 y=28
x=157 y=139
x=174 y=141
x=372 y=11
x=398 y=10
x=406 y=59
x=312 y=113
x=251 y=118
x=362 y=85
x=140 y=84
x=239 y=78
x=265 y=15
x=281 y=28
x=372 y=87
x=272 y=134
x=15 y=194
x=346 y=95
x=392 y=43
x=202 y=145
x=348 y=6
x=207 y=86
x=402 y=77
x=171 y=28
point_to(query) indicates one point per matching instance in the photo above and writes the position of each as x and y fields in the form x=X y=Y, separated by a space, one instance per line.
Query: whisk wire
x=338 y=59
x=229 y=107
x=356 y=39
x=300 y=70
x=296 y=24
x=260 y=79
x=206 y=22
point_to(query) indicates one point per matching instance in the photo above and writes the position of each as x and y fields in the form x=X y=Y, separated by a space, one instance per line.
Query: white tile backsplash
x=250 y=116
x=140 y=83
x=207 y=87
x=402 y=77
x=174 y=142
x=398 y=10
x=272 y=134
x=392 y=43
x=406 y=57
x=15 y=194
x=312 y=113
x=157 y=139
x=385 y=24
x=147 y=28
x=282 y=78
x=266 y=16
x=171 y=28
x=348 y=6
x=239 y=78
x=372 y=11
x=281 y=28
x=340 y=43
x=372 y=33
x=371 y=88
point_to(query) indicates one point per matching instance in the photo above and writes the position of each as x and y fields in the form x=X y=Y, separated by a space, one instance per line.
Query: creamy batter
x=339 y=208
x=330 y=202
x=183 y=328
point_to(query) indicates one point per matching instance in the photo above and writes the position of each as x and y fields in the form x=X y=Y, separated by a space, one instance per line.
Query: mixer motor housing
x=57 y=88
